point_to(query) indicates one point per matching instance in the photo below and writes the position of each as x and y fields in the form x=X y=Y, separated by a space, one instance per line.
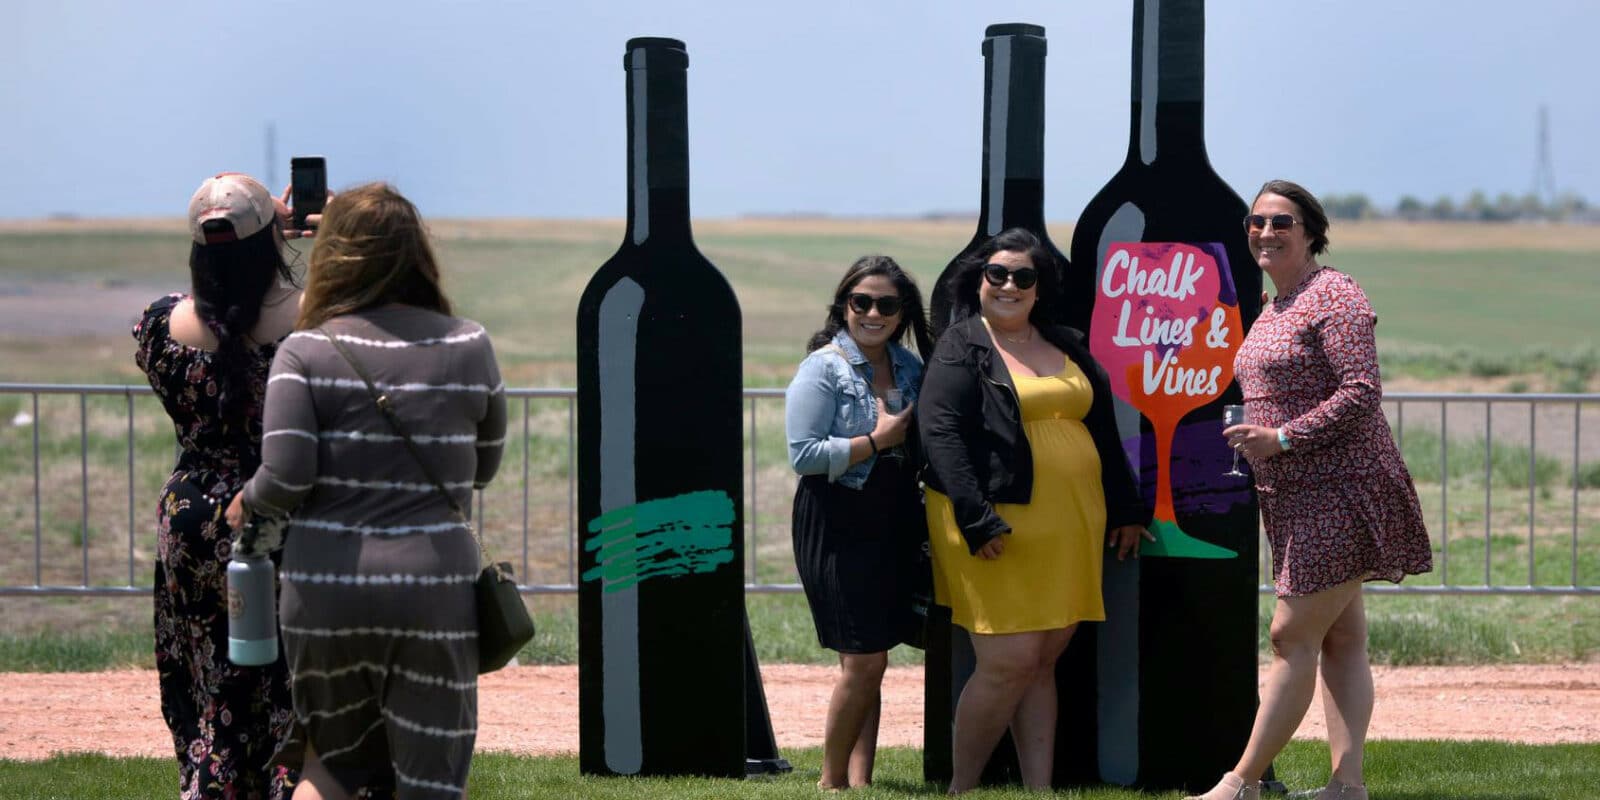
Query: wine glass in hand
x=893 y=400
x=1231 y=416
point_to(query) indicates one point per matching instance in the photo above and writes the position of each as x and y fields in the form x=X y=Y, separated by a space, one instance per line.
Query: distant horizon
x=1583 y=226
x=1386 y=215
x=842 y=108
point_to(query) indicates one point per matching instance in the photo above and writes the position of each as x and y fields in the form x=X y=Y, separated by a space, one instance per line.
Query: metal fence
x=70 y=453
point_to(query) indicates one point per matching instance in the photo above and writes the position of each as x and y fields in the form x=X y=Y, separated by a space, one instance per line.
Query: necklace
x=1011 y=339
x=1016 y=340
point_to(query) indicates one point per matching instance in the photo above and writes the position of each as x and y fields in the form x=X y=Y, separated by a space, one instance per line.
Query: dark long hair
x=912 y=318
x=229 y=281
x=1046 y=306
x=1311 y=214
x=371 y=250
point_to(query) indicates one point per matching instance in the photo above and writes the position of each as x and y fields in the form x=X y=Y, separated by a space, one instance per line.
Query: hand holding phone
x=308 y=181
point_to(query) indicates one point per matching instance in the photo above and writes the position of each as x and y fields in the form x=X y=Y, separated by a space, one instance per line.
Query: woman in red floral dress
x=1337 y=503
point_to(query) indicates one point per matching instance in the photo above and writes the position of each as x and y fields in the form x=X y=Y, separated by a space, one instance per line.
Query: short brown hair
x=1311 y=214
x=371 y=250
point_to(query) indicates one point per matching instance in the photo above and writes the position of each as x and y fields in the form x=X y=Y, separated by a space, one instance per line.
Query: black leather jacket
x=970 y=423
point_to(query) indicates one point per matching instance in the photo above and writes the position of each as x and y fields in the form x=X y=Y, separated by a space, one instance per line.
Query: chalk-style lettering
x=1217 y=336
x=1176 y=282
x=1153 y=329
x=1170 y=378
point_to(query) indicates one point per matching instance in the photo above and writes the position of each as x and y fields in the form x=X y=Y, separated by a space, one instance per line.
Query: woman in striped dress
x=377 y=603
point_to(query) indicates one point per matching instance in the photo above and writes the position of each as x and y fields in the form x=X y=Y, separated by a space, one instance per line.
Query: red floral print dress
x=1340 y=503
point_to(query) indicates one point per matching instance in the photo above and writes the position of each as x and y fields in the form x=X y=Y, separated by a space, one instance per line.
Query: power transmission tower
x=271 y=172
x=1544 y=174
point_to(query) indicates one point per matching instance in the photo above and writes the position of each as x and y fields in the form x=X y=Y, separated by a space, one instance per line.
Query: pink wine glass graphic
x=1166 y=326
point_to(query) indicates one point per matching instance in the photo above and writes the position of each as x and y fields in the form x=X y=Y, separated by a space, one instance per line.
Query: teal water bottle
x=252 y=609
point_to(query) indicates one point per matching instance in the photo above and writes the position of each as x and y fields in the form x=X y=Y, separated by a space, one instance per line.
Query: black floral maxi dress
x=226 y=720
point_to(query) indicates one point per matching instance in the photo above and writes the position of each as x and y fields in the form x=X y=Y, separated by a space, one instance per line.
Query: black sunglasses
x=888 y=305
x=1255 y=223
x=1024 y=278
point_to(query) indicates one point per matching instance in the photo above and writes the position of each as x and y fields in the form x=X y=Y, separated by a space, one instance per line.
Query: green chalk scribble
x=688 y=534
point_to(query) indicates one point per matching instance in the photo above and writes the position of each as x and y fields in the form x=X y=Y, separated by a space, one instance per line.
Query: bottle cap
x=1013 y=29
x=643 y=52
x=1025 y=39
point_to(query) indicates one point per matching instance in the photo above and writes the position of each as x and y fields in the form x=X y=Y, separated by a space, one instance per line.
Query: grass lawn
x=1396 y=771
x=1404 y=630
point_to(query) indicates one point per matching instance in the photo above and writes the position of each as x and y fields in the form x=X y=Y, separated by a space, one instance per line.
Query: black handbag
x=503 y=622
x=916 y=564
x=504 y=625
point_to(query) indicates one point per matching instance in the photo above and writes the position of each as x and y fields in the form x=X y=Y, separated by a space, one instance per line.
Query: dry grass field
x=1463 y=307
x=1447 y=293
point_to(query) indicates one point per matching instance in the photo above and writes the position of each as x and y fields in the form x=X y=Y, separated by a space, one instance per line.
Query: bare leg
x=1298 y=627
x=855 y=695
x=865 y=753
x=316 y=783
x=1033 y=726
x=1347 y=692
x=1006 y=666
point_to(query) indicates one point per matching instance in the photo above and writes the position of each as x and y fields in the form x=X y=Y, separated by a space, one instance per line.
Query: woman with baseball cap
x=206 y=354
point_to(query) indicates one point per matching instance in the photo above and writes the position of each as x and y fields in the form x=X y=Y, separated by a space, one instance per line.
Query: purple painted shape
x=1200 y=456
x=1227 y=295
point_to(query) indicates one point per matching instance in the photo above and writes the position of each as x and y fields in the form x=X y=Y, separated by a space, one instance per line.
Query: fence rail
x=527 y=509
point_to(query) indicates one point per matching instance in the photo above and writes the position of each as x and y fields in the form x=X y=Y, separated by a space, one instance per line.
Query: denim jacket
x=830 y=400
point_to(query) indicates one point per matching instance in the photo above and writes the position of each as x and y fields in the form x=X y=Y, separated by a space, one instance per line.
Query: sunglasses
x=1255 y=223
x=888 y=305
x=997 y=274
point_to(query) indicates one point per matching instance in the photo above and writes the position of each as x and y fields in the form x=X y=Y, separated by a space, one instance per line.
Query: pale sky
x=849 y=107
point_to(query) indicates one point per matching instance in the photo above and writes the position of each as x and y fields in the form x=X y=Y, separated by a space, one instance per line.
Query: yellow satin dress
x=1049 y=575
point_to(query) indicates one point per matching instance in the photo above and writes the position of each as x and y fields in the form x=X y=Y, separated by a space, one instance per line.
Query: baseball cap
x=232 y=197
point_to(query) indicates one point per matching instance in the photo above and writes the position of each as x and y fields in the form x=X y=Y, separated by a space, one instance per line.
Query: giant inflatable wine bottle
x=660 y=469
x=1011 y=196
x=1161 y=250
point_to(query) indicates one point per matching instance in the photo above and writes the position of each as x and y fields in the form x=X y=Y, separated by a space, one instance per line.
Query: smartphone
x=308 y=179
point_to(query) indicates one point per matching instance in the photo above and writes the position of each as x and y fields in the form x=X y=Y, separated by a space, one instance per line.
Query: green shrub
x=1568 y=370
x=1589 y=475
x=1487 y=366
x=1465 y=457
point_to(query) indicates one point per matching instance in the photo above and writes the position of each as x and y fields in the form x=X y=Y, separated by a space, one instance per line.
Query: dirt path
x=533 y=710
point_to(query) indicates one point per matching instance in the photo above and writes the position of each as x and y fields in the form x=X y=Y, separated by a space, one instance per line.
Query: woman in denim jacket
x=857 y=506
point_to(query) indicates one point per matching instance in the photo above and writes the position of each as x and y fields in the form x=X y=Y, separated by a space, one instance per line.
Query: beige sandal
x=1333 y=791
x=1231 y=787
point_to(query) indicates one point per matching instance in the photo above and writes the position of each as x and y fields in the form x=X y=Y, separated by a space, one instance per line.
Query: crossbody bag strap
x=384 y=405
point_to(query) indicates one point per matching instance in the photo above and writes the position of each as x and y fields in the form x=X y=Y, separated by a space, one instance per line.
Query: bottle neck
x=1013 y=134
x=658 y=148
x=1169 y=59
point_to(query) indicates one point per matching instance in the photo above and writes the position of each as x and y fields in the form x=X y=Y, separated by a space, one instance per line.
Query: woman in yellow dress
x=1027 y=482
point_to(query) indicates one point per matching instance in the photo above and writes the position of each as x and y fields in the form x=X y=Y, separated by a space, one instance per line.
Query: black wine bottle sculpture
x=660 y=469
x=1011 y=188
x=1161 y=252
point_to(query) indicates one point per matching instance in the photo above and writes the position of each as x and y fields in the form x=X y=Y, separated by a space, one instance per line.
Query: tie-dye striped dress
x=377 y=605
